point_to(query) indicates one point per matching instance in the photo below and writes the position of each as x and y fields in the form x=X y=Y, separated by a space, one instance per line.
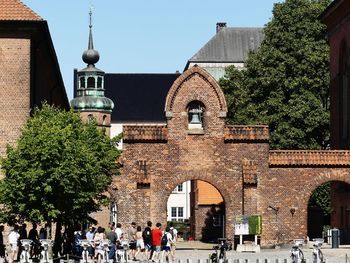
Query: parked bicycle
x=102 y=251
x=297 y=255
x=85 y=244
x=317 y=255
x=44 y=255
x=25 y=254
x=122 y=251
x=222 y=247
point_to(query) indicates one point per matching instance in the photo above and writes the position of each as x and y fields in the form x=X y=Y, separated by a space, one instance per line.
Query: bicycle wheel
x=301 y=256
x=320 y=256
x=293 y=258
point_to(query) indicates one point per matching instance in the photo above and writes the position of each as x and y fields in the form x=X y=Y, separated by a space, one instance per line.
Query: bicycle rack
x=25 y=254
x=45 y=244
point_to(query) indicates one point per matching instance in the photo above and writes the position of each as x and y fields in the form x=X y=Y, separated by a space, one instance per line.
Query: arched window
x=82 y=82
x=90 y=118
x=344 y=97
x=104 y=120
x=91 y=82
x=99 y=82
x=195 y=112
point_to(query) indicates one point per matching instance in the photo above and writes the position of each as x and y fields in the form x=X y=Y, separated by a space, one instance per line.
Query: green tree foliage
x=58 y=170
x=321 y=198
x=285 y=84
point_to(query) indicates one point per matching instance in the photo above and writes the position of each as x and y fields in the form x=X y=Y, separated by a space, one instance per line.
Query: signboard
x=248 y=225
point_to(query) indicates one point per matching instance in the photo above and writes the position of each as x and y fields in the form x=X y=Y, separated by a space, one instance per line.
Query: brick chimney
x=219 y=26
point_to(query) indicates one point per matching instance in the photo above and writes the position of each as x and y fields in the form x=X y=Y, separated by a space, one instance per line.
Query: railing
x=247 y=133
x=145 y=133
x=309 y=158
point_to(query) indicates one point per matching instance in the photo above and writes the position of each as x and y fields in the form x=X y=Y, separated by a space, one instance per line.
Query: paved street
x=195 y=250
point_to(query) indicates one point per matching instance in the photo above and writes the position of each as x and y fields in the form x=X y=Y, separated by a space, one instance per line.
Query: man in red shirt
x=156 y=237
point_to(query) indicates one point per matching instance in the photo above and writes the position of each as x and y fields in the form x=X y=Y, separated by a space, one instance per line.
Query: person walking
x=132 y=240
x=22 y=235
x=112 y=237
x=156 y=237
x=99 y=236
x=140 y=245
x=166 y=241
x=147 y=239
x=13 y=241
x=34 y=236
x=90 y=238
x=173 y=232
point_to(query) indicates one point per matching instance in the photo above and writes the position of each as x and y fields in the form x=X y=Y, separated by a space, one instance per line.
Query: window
x=180 y=188
x=91 y=82
x=99 y=82
x=195 y=110
x=82 y=82
x=104 y=120
x=177 y=214
x=113 y=212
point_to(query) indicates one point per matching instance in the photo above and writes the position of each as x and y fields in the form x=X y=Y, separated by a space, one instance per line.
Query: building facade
x=29 y=69
x=236 y=160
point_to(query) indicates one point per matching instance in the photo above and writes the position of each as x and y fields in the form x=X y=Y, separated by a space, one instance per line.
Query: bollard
x=199 y=261
x=188 y=261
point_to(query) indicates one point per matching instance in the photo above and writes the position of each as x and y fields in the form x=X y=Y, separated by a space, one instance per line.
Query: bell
x=195 y=118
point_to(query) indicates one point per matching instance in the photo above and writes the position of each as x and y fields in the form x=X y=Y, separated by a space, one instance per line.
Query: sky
x=141 y=36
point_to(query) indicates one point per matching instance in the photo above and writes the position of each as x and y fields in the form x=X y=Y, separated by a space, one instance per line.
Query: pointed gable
x=15 y=10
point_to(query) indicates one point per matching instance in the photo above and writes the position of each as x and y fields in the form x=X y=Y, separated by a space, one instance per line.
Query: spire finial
x=90 y=14
x=90 y=56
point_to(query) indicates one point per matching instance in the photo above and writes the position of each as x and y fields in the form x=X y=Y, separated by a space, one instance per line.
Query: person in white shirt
x=173 y=233
x=166 y=247
x=13 y=240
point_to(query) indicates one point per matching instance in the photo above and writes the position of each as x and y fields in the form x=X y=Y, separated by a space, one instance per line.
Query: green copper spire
x=90 y=85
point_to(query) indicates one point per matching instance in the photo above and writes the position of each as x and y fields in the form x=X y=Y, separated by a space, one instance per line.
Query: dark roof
x=230 y=44
x=138 y=97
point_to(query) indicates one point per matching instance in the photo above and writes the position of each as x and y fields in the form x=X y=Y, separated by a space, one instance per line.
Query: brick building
x=236 y=160
x=29 y=69
x=337 y=19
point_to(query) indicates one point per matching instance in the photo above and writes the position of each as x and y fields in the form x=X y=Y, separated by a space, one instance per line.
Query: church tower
x=90 y=101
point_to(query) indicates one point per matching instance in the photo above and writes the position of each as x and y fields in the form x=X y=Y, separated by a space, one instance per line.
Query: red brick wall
x=238 y=165
x=14 y=88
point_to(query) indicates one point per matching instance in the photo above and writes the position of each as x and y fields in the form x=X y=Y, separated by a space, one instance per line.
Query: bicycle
x=44 y=255
x=25 y=254
x=85 y=244
x=223 y=246
x=297 y=255
x=102 y=251
x=122 y=251
x=317 y=255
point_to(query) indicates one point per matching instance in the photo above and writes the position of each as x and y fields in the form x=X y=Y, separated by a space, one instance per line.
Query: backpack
x=164 y=240
x=146 y=234
x=172 y=233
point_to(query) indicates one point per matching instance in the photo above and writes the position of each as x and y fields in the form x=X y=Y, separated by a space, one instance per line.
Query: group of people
x=14 y=240
x=147 y=243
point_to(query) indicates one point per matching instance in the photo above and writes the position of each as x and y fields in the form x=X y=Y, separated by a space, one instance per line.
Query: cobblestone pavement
x=198 y=251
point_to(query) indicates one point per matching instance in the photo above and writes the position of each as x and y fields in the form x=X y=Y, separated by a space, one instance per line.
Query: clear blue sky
x=145 y=36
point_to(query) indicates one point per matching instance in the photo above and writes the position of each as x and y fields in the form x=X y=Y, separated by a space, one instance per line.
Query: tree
x=58 y=170
x=285 y=84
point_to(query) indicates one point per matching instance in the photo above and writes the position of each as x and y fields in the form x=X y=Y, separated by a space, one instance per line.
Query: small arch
x=104 y=119
x=196 y=70
x=195 y=112
x=82 y=82
x=99 y=82
x=90 y=118
x=91 y=82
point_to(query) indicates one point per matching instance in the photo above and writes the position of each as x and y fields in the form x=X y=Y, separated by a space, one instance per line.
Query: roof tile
x=15 y=10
